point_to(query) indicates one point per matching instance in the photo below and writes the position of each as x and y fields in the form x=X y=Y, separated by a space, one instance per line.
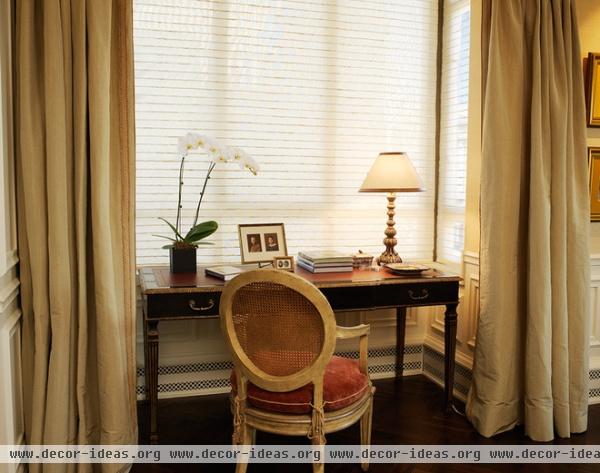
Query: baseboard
x=194 y=379
x=433 y=368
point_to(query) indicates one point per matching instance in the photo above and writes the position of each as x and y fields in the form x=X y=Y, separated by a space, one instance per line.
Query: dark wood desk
x=169 y=296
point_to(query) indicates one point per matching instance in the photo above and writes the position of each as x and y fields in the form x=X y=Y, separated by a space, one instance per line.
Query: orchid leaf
x=166 y=237
x=172 y=228
x=201 y=231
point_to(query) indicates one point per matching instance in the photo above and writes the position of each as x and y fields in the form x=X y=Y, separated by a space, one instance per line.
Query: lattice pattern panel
x=595 y=386
x=433 y=366
x=191 y=379
x=189 y=368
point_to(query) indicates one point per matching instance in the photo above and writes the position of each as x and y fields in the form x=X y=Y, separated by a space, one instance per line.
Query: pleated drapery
x=75 y=174
x=531 y=356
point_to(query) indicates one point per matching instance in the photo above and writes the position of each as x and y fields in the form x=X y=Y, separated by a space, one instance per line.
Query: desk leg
x=450 y=353
x=151 y=349
x=400 y=332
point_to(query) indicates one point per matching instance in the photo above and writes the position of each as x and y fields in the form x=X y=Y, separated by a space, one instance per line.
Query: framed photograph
x=592 y=90
x=262 y=242
x=285 y=263
x=594 y=163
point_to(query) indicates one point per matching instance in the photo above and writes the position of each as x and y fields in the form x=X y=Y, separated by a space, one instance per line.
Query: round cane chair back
x=280 y=328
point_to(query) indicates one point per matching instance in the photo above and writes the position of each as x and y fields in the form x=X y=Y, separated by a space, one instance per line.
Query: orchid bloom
x=219 y=152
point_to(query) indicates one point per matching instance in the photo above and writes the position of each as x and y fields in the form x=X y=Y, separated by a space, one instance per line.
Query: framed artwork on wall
x=261 y=242
x=592 y=90
x=594 y=163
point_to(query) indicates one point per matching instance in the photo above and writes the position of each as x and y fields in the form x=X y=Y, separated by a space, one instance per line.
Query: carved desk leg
x=400 y=332
x=450 y=353
x=151 y=344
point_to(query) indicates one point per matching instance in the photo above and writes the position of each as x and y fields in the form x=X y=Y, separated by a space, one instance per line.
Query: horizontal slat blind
x=312 y=90
x=453 y=131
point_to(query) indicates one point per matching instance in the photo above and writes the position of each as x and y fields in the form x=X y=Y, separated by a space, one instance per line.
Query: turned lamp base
x=387 y=258
x=390 y=255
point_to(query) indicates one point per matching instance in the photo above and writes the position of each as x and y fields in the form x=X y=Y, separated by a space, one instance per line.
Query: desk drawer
x=194 y=304
x=350 y=298
x=416 y=294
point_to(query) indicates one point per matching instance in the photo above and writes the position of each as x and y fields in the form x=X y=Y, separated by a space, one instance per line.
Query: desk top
x=159 y=280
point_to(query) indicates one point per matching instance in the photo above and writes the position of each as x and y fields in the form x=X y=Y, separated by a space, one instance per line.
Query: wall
x=588 y=15
x=11 y=410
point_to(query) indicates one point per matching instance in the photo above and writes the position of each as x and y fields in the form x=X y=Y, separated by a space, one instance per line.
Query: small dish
x=406 y=268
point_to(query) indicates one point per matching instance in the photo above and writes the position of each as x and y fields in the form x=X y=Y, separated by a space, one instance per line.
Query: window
x=453 y=132
x=314 y=91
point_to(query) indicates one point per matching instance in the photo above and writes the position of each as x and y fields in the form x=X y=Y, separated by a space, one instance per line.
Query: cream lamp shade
x=392 y=172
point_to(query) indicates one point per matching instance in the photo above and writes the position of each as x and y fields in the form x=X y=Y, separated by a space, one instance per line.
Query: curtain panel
x=531 y=356
x=75 y=173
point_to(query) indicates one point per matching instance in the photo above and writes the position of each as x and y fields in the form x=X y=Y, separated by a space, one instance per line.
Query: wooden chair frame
x=248 y=419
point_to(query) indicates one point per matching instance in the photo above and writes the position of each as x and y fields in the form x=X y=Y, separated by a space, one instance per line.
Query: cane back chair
x=282 y=332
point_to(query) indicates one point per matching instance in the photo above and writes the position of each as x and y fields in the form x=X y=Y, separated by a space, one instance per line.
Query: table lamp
x=391 y=172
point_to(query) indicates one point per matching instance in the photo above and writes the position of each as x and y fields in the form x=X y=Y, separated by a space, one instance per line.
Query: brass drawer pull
x=192 y=304
x=424 y=295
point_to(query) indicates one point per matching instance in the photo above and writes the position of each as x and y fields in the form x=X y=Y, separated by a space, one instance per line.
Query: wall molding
x=595 y=260
x=472 y=258
x=9 y=293
x=12 y=259
x=11 y=395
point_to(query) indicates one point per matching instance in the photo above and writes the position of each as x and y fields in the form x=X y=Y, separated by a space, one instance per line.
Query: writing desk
x=168 y=296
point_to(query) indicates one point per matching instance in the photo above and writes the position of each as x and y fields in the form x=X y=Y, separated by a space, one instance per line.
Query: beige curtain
x=74 y=108
x=531 y=358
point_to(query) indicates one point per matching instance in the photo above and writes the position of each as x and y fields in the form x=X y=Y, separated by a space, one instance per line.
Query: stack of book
x=325 y=261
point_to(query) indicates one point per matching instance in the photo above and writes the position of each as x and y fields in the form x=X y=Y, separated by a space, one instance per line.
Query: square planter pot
x=183 y=260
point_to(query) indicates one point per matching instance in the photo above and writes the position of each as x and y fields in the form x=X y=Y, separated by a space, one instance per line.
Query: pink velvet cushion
x=343 y=384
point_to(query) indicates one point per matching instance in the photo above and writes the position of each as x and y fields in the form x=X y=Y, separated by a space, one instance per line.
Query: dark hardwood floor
x=405 y=413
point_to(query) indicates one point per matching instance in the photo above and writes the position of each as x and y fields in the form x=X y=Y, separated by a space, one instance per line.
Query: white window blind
x=453 y=131
x=313 y=90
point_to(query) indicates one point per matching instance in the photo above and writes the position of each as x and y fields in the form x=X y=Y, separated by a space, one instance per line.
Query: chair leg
x=365 y=431
x=319 y=440
x=247 y=436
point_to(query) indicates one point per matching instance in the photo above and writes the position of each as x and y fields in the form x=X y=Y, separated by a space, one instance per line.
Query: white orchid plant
x=219 y=153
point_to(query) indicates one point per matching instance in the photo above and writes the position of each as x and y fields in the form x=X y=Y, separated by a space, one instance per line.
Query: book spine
x=305 y=265
x=327 y=261
x=324 y=269
x=326 y=265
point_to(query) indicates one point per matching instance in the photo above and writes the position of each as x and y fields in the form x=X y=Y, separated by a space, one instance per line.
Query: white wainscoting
x=595 y=315
x=468 y=314
x=11 y=398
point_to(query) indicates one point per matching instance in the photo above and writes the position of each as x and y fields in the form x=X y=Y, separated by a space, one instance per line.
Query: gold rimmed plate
x=406 y=268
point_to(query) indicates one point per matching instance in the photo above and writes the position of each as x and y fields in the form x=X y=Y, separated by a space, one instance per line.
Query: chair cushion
x=343 y=384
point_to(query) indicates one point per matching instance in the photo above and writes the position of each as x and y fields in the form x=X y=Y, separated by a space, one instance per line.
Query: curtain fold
x=75 y=185
x=531 y=356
